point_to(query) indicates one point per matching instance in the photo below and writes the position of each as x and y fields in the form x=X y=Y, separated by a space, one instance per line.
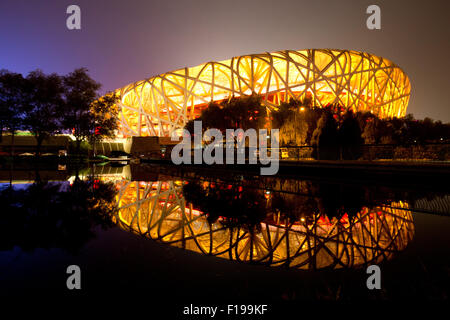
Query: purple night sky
x=124 y=41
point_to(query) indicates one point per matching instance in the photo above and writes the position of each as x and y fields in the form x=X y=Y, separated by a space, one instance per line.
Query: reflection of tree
x=335 y=200
x=49 y=215
x=158 y=210
x=234 y=203
x=248 y=206
x=292 y=206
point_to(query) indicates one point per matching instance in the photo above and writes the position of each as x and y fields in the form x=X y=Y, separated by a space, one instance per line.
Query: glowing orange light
x=357 y=80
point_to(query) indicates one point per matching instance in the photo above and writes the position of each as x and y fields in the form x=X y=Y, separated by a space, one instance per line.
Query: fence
x=425 y=152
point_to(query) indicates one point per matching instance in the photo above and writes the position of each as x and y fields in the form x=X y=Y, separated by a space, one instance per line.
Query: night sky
x=125 y=41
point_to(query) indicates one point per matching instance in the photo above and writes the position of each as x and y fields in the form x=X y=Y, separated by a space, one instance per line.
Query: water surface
x=198 y=236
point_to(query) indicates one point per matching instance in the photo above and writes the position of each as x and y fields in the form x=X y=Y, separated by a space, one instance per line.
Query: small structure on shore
x=27 y=145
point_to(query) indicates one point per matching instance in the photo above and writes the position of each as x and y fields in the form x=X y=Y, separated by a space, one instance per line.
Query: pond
x=210 y=236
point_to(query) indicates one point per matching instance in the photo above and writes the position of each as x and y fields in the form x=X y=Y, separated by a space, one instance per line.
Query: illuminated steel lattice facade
x=357 y=80
x=157 y=210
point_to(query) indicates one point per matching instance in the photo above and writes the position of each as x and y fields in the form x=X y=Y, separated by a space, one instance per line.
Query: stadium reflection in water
x=305 y=240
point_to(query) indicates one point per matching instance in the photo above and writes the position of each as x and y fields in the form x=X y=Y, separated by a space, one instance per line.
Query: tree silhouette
x=237 y=206
x=350 y=140
x=237 y=112
x=325 y=137
x=80 y=91
x=12 y=87
x=43 y=105
x=103 y=118
x=279 y=117
x=55 y=215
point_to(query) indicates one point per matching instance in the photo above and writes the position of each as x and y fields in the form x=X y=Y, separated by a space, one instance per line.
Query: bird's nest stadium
x=162 y=104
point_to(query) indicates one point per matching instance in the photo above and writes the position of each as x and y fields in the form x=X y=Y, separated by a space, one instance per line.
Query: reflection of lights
x=371 y=236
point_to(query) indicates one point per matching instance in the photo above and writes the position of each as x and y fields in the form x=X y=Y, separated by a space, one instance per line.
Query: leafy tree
x=236 y=113
x=350 y=140
x=373 y=130
x=103 y=118
x=12 y=87
x=189 y=126
x=325 y=137
x=279 y=117
x=312 y=116
x=327 y=128
x=80 y=91
x=215 y=117
x=296 y=120
x=308 y=100
x=43 y=105
x=245 y=112
x=441 y=131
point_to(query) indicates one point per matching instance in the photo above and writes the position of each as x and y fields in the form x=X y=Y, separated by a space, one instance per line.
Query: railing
x=424 y=152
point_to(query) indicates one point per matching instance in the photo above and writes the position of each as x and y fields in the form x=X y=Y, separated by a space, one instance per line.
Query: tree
x=43 y=105
x=80 y=91
x=296 y=120
x=325 y=137
x=214 y=117
x=189 y=126
x=441 y=131
x=350 y=140
x=373 y=130
x=245 y=112
x=103 y=118
x=279 y=117
x=11 y=103
x=238 y=112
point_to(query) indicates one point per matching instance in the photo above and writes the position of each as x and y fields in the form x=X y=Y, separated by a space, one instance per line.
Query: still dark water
x=202 y=237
